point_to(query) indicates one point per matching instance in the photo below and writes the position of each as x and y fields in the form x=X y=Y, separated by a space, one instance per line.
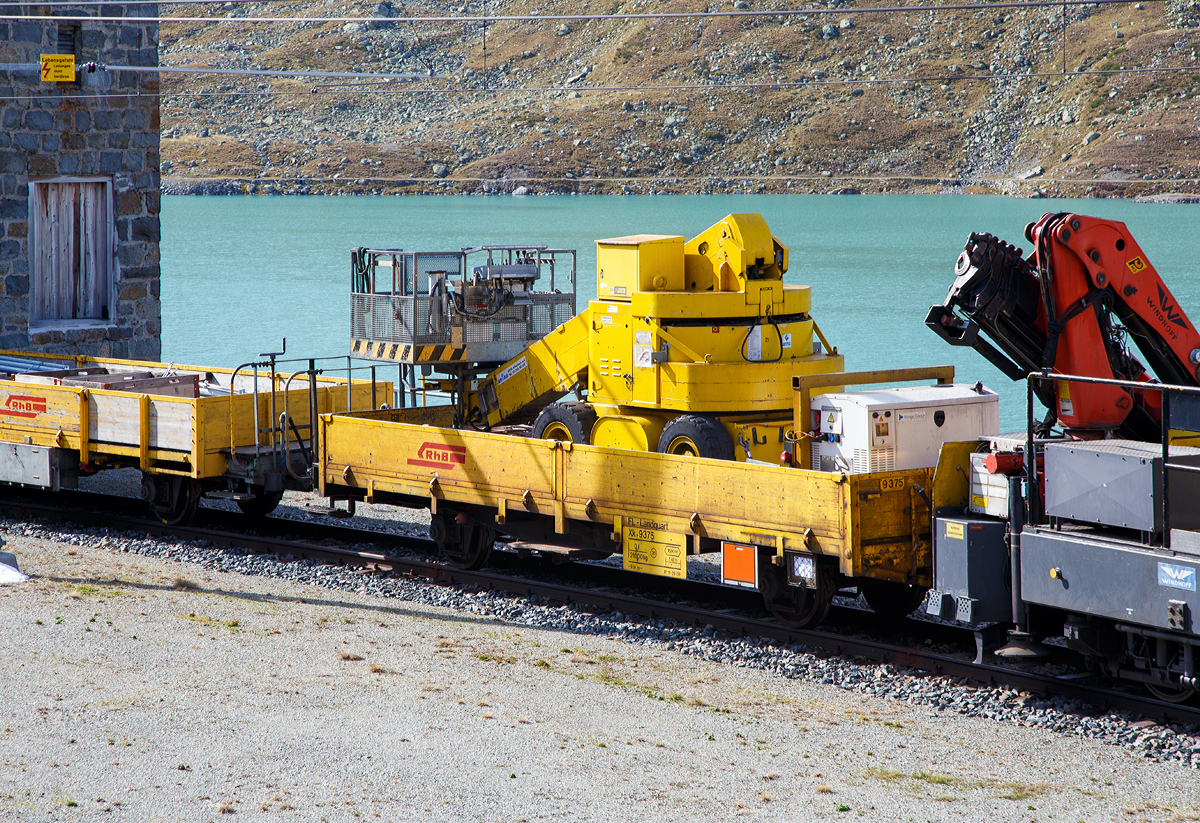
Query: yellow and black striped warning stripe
x=402 y=353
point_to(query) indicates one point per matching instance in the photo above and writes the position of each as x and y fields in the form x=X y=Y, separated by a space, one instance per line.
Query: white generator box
x=883 y=430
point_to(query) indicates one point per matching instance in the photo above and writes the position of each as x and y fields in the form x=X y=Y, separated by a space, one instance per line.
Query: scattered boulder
x=520 y=191
x=829 y=31
x=383 y=10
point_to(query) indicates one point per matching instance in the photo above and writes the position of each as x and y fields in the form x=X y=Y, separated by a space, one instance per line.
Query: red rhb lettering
x=439 y=456
x=21 y=405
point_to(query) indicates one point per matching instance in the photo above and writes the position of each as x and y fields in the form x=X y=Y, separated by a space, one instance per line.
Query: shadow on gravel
x=254 y=597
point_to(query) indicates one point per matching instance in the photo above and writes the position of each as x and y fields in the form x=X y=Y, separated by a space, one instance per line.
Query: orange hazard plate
x=739 y=565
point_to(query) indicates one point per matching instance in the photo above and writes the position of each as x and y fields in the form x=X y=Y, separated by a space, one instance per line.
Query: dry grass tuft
x=824 y=788
x=378 y=668
x=226 y=808
x=344 y=655
x=184 y=585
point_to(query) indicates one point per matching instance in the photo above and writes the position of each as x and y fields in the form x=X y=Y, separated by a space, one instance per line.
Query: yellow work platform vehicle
x=689 y=348
x=709 y=416
x=242 y=434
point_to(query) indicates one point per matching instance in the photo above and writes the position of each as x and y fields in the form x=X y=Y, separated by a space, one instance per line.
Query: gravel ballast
x=170 y=680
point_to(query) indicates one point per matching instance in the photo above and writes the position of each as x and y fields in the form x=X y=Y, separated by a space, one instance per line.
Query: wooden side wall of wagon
x=808 y=533
x=192 y=431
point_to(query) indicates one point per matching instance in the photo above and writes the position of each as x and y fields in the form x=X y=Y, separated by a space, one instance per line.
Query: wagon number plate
x=891 y=484
x=654 y=551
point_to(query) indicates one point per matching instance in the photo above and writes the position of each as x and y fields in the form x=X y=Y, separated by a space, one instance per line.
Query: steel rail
x=602 y=598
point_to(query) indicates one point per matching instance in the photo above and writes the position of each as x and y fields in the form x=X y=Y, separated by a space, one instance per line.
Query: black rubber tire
x=263 y=503
x=573 y=419
x=891 y=601
x=697 y=435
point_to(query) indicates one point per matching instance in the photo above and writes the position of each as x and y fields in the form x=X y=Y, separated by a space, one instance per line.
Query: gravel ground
x=171 y=681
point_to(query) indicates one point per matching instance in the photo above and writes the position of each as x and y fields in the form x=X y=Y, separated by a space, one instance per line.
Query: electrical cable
x=356 y=75
x=705 y=87
x=753 y=325
x=538 y=18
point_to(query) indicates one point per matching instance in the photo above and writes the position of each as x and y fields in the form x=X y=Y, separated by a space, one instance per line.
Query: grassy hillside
x=698 y=105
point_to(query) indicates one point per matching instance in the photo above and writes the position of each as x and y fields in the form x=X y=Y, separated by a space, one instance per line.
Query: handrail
x=232 y=428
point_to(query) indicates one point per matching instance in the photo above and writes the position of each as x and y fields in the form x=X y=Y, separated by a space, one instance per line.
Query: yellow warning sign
x=58 y=68
x=654 y=551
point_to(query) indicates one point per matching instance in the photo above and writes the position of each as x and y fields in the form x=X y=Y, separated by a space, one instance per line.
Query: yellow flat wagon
x=806 y=532
x=241 y=434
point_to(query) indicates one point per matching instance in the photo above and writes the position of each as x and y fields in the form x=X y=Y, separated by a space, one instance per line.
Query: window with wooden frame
x=72 y=242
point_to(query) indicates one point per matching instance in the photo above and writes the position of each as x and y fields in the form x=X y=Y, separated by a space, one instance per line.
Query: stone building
x=79 y=184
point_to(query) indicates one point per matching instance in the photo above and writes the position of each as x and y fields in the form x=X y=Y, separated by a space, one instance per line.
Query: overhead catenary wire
x=490 y=89
x=539 y=18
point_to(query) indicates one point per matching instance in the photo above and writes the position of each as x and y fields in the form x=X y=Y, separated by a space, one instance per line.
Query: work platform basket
x=475 y=307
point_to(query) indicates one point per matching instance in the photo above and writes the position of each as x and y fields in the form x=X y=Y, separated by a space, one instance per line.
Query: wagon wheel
x=796 y=606
x=262 y=504
x=1171 y=694
x=891 y=601
x=474 y=550
x=183 y=505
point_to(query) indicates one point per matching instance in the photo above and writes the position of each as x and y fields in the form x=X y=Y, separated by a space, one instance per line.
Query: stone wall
x=106 y=125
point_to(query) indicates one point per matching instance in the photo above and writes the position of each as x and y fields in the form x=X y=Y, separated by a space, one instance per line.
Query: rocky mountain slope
x=840 y=97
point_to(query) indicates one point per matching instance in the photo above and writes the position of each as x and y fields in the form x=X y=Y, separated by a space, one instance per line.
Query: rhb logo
x=439 y=456
x=23 y=405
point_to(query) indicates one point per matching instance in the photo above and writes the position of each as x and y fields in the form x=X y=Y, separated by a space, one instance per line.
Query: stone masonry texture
x=105 y=126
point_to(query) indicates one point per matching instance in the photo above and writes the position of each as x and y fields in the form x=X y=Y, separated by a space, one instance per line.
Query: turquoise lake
x=241 y=273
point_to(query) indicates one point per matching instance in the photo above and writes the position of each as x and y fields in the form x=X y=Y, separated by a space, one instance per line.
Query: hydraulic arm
x=1070 y=308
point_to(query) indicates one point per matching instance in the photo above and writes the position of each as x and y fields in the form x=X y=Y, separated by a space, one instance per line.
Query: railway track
x=600 y=588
